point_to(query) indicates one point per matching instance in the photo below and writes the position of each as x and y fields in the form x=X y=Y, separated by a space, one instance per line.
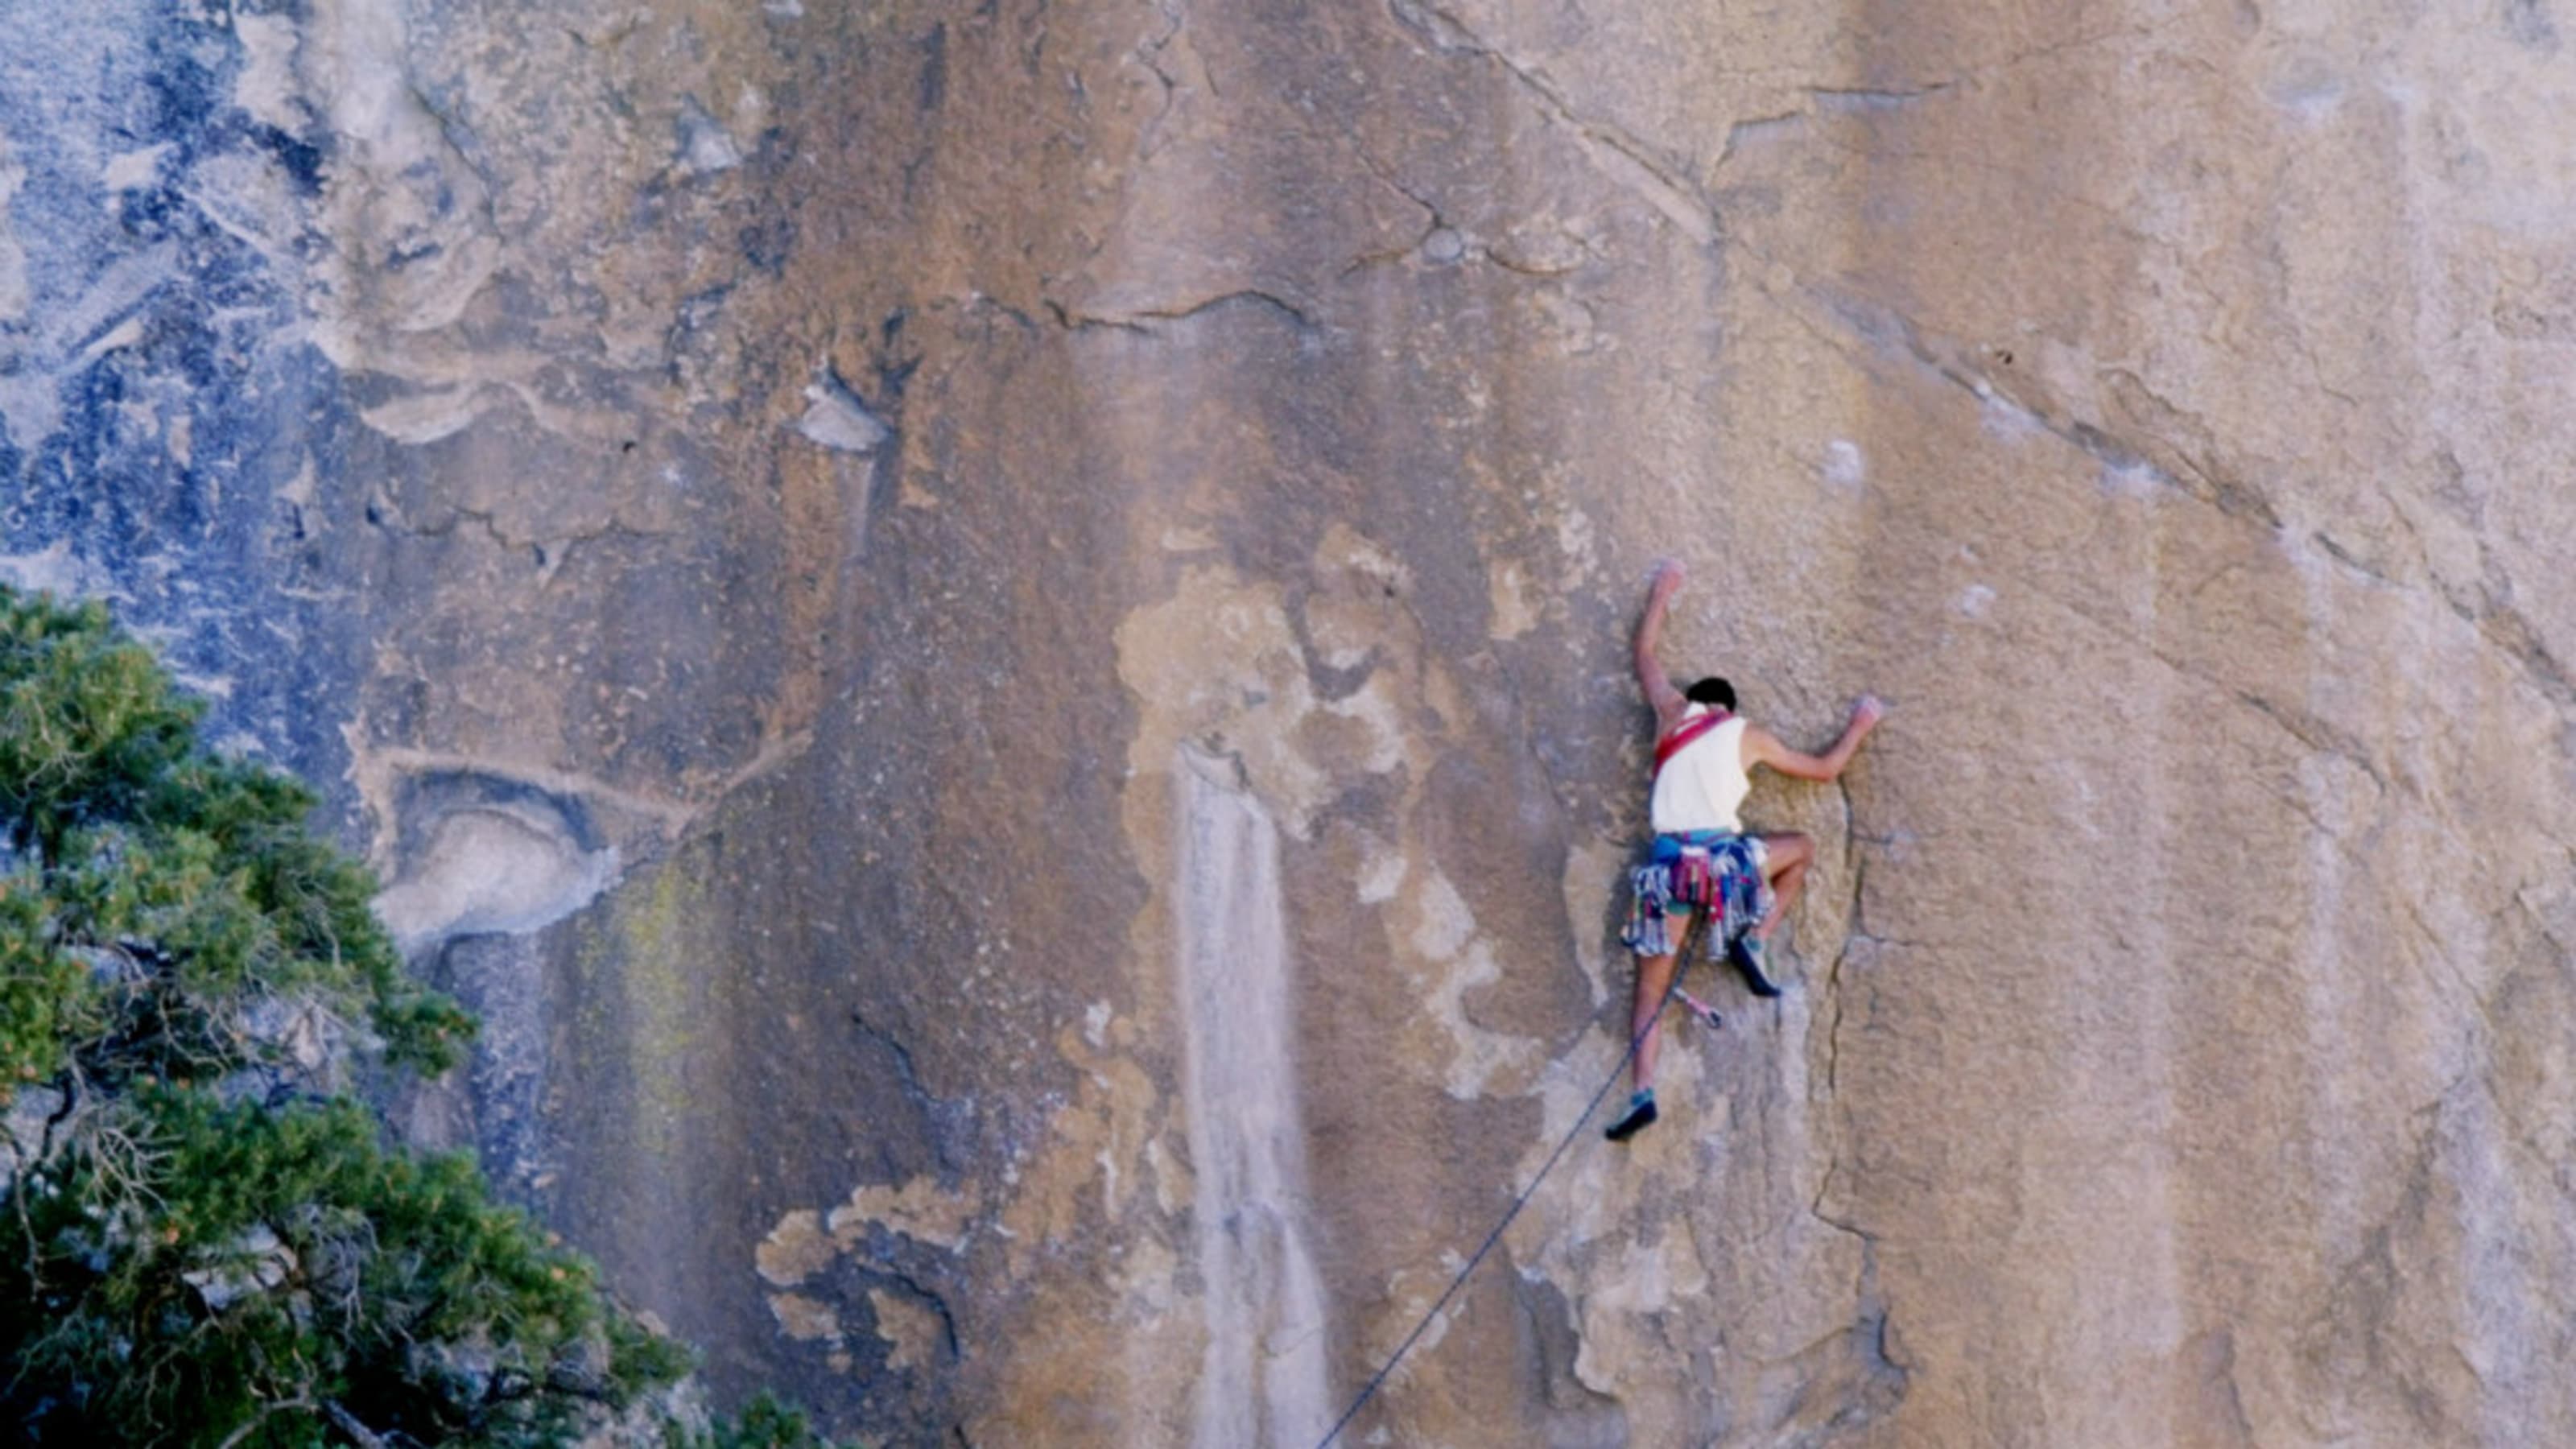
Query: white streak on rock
x=1262 y=1380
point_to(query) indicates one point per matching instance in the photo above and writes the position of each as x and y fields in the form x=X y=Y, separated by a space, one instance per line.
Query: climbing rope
x=1681 y=962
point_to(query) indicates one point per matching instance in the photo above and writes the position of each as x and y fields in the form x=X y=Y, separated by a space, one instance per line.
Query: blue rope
x=1681 y=960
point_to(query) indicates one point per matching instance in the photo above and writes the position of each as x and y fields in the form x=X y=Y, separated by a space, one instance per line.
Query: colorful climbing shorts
x=1709 y=868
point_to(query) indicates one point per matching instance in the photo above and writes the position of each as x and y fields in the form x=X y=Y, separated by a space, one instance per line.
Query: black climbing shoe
x=1641 y=1115
x=1746 y=952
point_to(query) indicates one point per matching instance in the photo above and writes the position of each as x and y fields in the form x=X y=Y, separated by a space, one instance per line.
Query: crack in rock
x=1144 y=320
x=2512 y=633
x=1613 y=150
x=2138 y=455
x=1836 y=98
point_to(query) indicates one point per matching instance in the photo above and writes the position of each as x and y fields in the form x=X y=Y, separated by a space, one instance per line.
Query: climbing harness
x=1716 y=869
x=1689 y=934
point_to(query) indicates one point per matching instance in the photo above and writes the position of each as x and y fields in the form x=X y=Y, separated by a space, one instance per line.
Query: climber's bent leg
x=1785 y=858
x=1784 y=861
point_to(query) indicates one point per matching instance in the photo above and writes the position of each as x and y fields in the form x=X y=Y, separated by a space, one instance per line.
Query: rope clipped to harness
x=1690 y=936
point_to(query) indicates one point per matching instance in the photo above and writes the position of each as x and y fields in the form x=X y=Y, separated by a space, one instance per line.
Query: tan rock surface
x=996 y=641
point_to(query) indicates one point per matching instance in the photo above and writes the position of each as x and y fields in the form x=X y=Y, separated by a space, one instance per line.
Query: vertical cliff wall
x=995 y=640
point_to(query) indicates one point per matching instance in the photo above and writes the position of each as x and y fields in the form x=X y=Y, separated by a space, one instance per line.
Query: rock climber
x=1702 y=859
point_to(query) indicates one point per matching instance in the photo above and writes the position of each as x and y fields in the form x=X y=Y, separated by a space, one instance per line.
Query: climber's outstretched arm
x=1761 y=747
x=1659 y=687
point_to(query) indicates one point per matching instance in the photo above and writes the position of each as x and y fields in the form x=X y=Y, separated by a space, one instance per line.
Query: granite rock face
x=994 y=640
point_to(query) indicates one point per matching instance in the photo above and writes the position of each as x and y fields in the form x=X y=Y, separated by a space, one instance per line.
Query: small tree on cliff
x=203 y=1235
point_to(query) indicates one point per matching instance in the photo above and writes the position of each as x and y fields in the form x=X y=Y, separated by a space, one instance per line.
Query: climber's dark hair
x=1712 y=690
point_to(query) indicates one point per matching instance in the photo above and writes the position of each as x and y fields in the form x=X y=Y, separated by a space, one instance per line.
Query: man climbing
x=1702 y=860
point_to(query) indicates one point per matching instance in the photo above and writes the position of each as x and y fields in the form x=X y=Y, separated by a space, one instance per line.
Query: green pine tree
x=205 y=1236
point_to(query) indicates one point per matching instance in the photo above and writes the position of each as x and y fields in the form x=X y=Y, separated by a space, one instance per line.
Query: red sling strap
x=1691 y=729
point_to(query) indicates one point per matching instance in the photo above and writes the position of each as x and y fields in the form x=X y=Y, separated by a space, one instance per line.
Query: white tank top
x=1701 y=787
